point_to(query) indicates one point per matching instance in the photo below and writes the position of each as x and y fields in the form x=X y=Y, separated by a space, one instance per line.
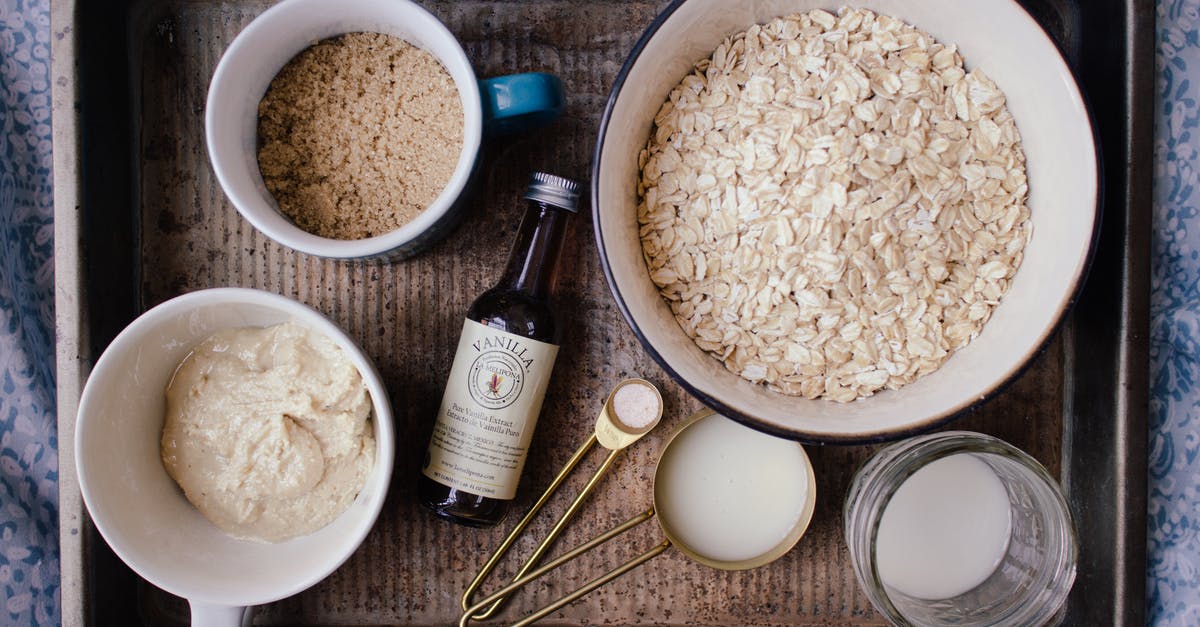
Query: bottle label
x=489 y=410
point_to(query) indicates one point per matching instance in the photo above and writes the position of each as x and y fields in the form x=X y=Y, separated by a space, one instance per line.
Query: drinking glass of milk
x=960 y=528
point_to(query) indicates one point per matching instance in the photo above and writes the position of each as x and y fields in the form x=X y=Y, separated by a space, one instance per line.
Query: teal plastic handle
x=520 y=102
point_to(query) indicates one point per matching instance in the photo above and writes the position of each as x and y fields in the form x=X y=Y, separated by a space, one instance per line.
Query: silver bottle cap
x=554 y=190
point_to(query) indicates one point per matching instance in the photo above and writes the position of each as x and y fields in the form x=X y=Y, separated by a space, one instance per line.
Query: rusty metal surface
x=178 y=233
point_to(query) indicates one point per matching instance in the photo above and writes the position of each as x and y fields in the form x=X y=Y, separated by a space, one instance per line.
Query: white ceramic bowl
x=139 y=509
x=256 y=56
x=996 y=35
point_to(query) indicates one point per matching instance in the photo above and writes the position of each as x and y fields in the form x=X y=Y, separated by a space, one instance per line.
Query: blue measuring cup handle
x=520 y=102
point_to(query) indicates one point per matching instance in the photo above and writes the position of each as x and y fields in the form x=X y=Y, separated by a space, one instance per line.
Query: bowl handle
x=520 y=102
x=209 y=615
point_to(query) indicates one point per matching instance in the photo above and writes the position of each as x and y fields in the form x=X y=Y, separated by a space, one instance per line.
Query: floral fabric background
x=29 y=518
x=29 y=571
x=1173 y=578
x=29 y=565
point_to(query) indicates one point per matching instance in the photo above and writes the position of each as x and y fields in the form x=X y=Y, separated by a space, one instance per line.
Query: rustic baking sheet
x=140 y=218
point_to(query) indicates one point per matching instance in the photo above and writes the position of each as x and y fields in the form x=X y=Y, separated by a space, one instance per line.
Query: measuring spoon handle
x=595 y=583
x=520 y=582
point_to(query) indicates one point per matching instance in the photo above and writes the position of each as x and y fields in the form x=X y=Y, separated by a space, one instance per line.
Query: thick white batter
x=268 y=431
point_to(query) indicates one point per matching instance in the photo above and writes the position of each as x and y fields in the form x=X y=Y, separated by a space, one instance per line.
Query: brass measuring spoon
x=621 y=422
x=688 y=451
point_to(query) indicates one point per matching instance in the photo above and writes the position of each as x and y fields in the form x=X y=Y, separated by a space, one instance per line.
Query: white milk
x=945 y=530
x=728 y=492
x=637 y=405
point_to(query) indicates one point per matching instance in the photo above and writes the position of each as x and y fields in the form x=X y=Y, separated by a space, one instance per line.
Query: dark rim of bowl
x=871 y=437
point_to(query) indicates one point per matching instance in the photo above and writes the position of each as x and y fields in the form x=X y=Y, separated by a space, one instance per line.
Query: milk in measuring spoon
x=729 y=492
x=945 y=530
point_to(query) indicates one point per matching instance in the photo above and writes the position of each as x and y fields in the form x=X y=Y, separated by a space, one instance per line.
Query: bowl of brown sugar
x=358 y=134
x=351 y=129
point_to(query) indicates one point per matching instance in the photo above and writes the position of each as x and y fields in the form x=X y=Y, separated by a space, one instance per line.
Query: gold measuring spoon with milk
x=632 y=409
x=725 y=495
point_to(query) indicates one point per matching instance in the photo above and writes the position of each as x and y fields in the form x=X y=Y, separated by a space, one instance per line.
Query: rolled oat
x=831 y=204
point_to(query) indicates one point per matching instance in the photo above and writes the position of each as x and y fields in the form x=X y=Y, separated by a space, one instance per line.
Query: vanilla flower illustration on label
x=498 y=373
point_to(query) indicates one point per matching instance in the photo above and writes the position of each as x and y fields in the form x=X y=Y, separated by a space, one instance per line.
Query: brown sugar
x=358 y=134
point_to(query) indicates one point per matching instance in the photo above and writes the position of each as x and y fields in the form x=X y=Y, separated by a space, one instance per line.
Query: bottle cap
x=554 y=190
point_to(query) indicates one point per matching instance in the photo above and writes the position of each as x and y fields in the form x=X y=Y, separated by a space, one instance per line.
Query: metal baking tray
x=139 y=218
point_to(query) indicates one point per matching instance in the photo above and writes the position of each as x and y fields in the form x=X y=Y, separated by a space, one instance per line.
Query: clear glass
x=1030 y=583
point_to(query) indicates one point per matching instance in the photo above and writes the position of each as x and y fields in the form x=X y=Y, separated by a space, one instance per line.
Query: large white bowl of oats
x=844 y=225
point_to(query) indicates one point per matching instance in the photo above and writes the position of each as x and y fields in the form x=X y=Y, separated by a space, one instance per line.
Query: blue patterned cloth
x=1173 y=577
x=29 y=566
x=29 y=572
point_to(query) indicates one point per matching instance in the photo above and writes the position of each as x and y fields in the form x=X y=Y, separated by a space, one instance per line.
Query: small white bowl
x=996 y=35
x=139 y=509
x=256 y=56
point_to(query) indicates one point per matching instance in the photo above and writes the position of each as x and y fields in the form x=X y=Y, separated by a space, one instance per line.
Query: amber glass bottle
x=501 y=368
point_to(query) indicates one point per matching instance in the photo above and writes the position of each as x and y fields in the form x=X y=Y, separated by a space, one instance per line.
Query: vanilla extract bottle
x=501 y=370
